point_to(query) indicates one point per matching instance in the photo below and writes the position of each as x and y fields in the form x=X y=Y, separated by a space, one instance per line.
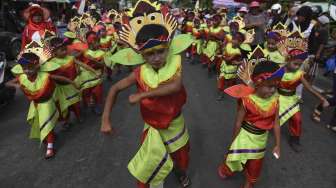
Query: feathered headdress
x=146 y=25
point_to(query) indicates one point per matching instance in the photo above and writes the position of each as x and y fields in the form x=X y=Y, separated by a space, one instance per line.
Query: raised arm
x=13 y=83
x=64 y=80
x=85 y=66
x=165 y=89
x=314 y=92
x=111 y=98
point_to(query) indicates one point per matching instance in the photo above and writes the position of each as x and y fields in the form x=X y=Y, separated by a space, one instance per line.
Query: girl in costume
x=271 y=48
x=67 y=96
x=210 y=53
x=197 y=45
x=39 y=86
x=289 y=101
x=233 y=55
x=38 y=22
x=257 y=114
x=161 y=94
x=91 y=84
x=107 y=44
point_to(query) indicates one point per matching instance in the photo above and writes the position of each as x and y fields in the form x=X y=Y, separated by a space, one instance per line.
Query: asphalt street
x=87 y=159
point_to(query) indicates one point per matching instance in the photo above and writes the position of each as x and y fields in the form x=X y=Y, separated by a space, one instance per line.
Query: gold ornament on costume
x=147 y=24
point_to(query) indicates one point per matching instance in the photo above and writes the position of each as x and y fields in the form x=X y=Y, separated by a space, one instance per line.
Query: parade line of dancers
x=57 y=73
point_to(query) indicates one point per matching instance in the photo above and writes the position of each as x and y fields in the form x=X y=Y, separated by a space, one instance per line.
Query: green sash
x=244 y=147
x=152 y=163
x=66 y=95
x=289 y=105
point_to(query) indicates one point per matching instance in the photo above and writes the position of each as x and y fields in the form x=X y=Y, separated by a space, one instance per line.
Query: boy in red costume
x=161 y=94
x=258 y=113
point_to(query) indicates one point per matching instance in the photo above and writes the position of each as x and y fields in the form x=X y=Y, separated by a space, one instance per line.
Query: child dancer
x=210 y=54
x=92 y=83
x=67 y=95
x=257 y=114
x=234 y=53
x=161 y=94
x=289 y=101
x=38 y=86
x=271 y=48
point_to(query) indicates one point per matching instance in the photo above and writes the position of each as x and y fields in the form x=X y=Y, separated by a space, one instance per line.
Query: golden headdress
x=38 y=49
x=147 y=24
x=281 y=29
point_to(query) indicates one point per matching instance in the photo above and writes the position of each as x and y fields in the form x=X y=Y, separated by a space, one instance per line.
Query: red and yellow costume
x=67 y=95
x=248 y=148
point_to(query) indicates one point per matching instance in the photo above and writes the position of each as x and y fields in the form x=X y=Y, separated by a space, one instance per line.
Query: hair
x=307 y=13
x=89 y=33
x=31 y=57
x=56 y=43
x=265 y=67
x=240 y=36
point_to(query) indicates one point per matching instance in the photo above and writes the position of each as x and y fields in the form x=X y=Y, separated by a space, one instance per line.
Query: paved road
x=85 y=158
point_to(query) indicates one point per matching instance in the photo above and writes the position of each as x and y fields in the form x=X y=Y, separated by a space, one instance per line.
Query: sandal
x=220 y=173
x=316 y=116
x=50 y=153
x=185 y=181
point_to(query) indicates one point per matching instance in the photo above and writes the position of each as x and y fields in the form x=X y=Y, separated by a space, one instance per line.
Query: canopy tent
x=49 y=1
x=221 y=3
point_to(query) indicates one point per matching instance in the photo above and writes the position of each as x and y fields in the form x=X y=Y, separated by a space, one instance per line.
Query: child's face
x=271 y=45
x=30 y=69
x=37 y=18
x=233 y=28
x=156 y=58
x=235 y=42
x=94 y=45
x=267 y=89
x=61 y=52
x=294 y=65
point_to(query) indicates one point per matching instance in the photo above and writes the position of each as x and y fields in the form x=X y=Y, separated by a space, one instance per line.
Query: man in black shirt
x=317 y=40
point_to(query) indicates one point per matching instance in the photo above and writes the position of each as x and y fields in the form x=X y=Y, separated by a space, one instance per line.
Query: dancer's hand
x=325 y=103
x=135 y=98
x=106 y=127
x=276 y=150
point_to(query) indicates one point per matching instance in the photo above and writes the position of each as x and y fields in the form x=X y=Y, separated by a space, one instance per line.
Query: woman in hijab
x=38 y=21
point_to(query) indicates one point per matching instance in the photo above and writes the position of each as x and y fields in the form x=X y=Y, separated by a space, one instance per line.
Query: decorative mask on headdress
x=147 y=25
x=296 y=41
x=38 y=49
x=281 y=29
